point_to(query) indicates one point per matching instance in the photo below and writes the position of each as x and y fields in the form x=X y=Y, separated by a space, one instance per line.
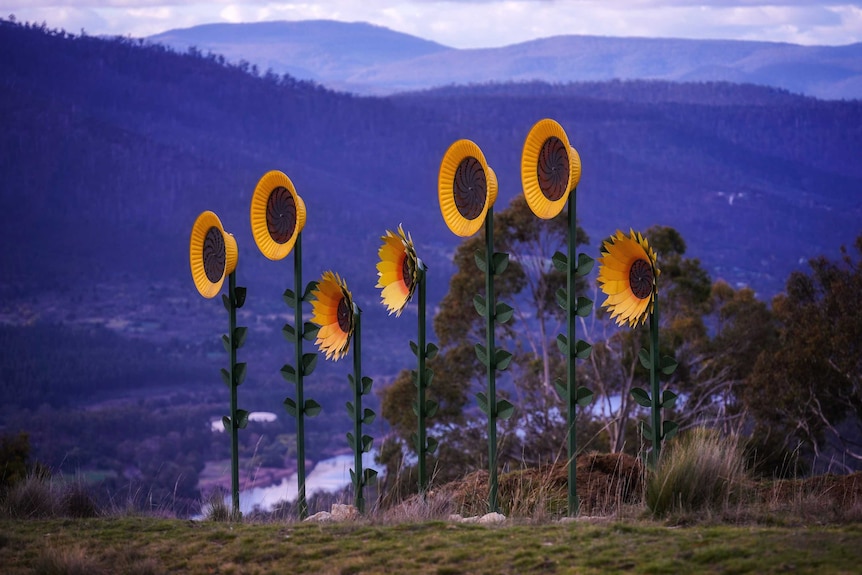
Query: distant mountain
x=369 y=59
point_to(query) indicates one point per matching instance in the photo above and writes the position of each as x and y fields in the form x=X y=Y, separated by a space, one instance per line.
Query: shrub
x=31 y=498
x=701 y=471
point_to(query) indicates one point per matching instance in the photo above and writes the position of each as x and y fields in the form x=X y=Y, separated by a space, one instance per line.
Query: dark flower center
x=552 y=169
x=214 y=254
x=641 y=279
x=469 y=188
x=281 y=215
x=407 y=268
x=344 y=315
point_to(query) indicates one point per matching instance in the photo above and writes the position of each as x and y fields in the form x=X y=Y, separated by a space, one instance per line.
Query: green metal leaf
x=502 y=359
x=353 y=478
x=312 y=408
x=351 y=441
x=414 y=439
x=239 y=374
x=366 y=385
x=309 y=362
x=226 y=422
x=225 y=376
x=350 y=379
x=585 y=264
x=367 y=442
x=290 y=406
x=289 y=333
x=563 y=344
x=501 y=262
x=429 y=377
x=643 y=355
x=481 y=353
x=226 y=301
x=240 y=296
x=414 y=375
x=482 y=399
x=239 y=336
x=309 y=331
x=225 y=342
x=370 y=476
x=289 y=298
x=560 y=385
x=288 y=373
x=310 y=287
x=583 y=349
x=431 y=351
x=351 y=410
x=668 y=365
x=503 y=313
x=241 y=418
x=368 y=416
x=560 y=261
x=414 y=348
x=669 y=429
x=646 y=431
x=481 y=261
x=583 y=397
x=668 y=399
x=431 y=408
x=479 y=304
x=584 y=307
x=505 y=409
x=432 y=445
x=641 y=397
x=562 y=296
x=415 y=405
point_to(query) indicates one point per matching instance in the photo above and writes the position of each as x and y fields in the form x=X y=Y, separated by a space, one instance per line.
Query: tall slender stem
x=489 y=336
x=234 y=428
x=572 y=442
x=359 y=500
x=655 y=386
x=300 y=371
x=421 y=382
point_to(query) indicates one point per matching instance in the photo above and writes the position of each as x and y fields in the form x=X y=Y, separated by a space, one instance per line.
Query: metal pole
x=234 y=429
x=655 y=386
x=489 y=335
x=359 y=500
x=421 y=381
x=572 y=444
x=300 y=372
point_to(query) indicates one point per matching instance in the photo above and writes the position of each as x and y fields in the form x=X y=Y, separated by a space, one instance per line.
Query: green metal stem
x=422 y=382
x=572 y=442
x=359 y=500
x=234 y=439
x=489 y=336
x=655 y=386
x=300 y=371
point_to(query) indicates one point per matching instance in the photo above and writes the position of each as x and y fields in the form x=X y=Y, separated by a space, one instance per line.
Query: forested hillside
x=111 y=147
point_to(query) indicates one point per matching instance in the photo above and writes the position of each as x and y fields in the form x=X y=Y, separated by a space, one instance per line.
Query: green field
x=143 y=545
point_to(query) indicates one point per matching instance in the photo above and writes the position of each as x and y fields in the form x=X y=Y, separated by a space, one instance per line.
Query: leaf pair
x=310 y=407
x=503 y=410
x=561 y=262
x=499 y=262
x=241 y=420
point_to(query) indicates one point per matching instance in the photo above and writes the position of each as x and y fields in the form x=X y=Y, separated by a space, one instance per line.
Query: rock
x=492 y=519
x=342 y=512
x=456 y=518
x=322 y=517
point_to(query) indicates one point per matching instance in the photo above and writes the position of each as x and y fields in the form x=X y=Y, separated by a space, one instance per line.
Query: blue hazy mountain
x=369 y=59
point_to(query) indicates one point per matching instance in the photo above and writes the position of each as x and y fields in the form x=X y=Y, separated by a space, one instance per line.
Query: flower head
x=466 y=188
x=277 y=215
x=550 y=169
x=627 y=274
x=212 y=254
x=398 y=270
x=332 y=310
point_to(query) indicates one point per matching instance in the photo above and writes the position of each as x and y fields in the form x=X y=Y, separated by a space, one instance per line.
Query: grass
x=143 y=545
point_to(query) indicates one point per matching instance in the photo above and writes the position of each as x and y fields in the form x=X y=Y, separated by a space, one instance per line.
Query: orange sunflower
x=332 y=309
x=550 y=169
x=627 y=274
x=277 y=215
x=212 y=254
x=466 y=188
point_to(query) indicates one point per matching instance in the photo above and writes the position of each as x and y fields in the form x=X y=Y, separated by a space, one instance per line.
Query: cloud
x=476 y=23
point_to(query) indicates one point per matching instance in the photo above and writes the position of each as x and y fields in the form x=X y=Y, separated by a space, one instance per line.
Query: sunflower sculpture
x=466 y=188
x=277 y=215
x=550 y=169
x=627 y=274
x=398 y=270
x=332 y=309
x=212 y=254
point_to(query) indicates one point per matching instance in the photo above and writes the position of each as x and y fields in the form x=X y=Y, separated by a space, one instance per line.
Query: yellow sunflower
x=212 y=254
x=627 y=274
x=550 y=169
x=332 y=310
x=397 y=270
x=466 y=187
x=277 y=215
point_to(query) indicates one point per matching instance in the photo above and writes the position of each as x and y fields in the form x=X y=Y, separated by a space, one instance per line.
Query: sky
x=475 y=23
